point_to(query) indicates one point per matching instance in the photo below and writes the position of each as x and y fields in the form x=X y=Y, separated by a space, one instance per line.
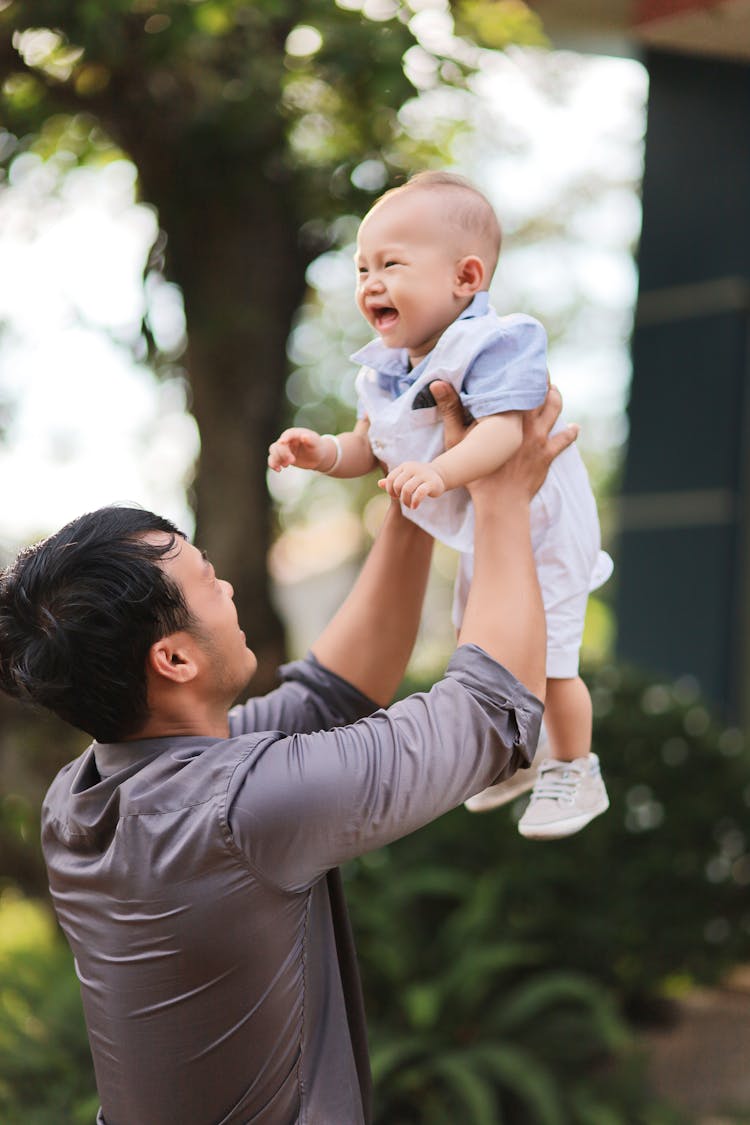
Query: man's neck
x=198 y=722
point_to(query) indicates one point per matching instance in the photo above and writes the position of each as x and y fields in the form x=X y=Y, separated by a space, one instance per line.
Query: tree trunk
x=242 y=275
x=229 y=207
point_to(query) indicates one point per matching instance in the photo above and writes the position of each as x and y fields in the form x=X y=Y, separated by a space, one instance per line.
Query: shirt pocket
x=424 y=416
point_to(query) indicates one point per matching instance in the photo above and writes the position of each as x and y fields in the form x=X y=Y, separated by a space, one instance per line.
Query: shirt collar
x=124 y=757
x=395 y=361
x=478 y=306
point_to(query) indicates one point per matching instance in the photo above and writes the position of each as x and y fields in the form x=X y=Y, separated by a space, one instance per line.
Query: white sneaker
x=566 y=796
x=517 y=784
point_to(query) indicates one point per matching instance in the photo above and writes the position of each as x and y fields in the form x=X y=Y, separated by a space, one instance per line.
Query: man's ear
x=469 y=276
x=173 y=658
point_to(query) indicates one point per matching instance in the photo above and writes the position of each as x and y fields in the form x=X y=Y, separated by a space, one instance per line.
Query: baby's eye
x=391 y=262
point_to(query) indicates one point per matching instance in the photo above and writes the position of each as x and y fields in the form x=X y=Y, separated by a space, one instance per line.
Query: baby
x=426 y=253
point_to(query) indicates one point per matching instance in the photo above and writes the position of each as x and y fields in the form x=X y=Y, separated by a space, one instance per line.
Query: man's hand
x=303 y=448
x=412 y=481
x=456 y=422
x=527 y=469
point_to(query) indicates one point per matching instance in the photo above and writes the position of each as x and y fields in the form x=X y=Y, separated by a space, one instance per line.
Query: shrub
x=46 y=1075
x=650 y=897
x=497 y=969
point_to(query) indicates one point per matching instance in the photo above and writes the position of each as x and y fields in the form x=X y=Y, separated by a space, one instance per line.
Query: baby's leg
x=568 y=718
x=569 y=791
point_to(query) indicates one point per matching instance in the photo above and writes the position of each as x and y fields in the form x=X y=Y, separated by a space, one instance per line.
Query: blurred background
x=180 y=186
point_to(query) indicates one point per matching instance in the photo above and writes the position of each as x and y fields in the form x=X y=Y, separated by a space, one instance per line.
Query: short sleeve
x=510 y=371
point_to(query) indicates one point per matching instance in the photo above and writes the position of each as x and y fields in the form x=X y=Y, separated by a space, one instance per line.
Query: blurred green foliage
x=498 y=970
x=652 y=897
x=33 y=747
x=46 y=1076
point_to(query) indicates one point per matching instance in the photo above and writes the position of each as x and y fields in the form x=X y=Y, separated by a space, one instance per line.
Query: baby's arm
x=310 y=450
x=485 y=448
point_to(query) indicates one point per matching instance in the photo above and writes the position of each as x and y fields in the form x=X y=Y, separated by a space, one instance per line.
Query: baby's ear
x=469 y=275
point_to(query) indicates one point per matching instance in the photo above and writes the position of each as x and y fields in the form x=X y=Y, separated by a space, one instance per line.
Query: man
x=193 y=853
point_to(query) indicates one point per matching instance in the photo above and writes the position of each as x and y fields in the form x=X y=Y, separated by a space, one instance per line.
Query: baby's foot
x=565 y=798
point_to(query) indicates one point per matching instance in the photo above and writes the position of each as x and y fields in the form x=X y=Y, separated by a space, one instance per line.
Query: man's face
x=230 y=663
x=406 y=264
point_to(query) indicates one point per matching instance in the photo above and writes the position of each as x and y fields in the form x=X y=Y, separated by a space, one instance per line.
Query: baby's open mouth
x=385 y=317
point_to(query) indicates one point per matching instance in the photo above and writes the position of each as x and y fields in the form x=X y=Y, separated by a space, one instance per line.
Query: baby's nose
x=374 y=283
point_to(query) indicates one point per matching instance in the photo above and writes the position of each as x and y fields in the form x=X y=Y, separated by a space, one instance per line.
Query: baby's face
x=407 y=280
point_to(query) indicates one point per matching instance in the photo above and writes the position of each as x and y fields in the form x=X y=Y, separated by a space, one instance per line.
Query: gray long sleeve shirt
x=195 y=879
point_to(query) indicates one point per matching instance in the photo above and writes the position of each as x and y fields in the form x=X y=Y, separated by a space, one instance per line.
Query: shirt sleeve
x=310 y=698
x=510 y=371
x=314 y=801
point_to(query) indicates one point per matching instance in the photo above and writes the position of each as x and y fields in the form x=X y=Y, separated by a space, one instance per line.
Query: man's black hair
x=80 y=611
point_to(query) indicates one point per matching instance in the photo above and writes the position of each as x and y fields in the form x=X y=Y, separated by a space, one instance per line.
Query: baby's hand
x=300 y=447
x=412 y=482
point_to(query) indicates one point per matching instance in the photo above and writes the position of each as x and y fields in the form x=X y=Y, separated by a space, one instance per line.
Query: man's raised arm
x=369 y=640
x=504 y=614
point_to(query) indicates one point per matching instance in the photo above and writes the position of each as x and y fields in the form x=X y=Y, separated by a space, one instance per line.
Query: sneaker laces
x=558 y=781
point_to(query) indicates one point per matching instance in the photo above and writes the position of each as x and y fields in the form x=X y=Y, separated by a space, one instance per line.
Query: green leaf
x=396 y=1055
x=422 y=1002
x=474 y=1097
x=498 y=23
x=475 y=972
x=549 y=990
x=517 y=1071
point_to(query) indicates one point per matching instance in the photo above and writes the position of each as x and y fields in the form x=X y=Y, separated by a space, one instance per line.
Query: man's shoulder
x=147 y=780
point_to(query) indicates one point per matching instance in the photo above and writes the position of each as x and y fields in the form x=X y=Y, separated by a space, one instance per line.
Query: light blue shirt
x=508 y=372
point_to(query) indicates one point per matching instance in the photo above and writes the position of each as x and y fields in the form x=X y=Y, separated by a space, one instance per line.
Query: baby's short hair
x=469 y=209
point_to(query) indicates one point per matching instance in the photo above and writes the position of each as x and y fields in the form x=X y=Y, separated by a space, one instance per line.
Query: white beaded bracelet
x=339 y=454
